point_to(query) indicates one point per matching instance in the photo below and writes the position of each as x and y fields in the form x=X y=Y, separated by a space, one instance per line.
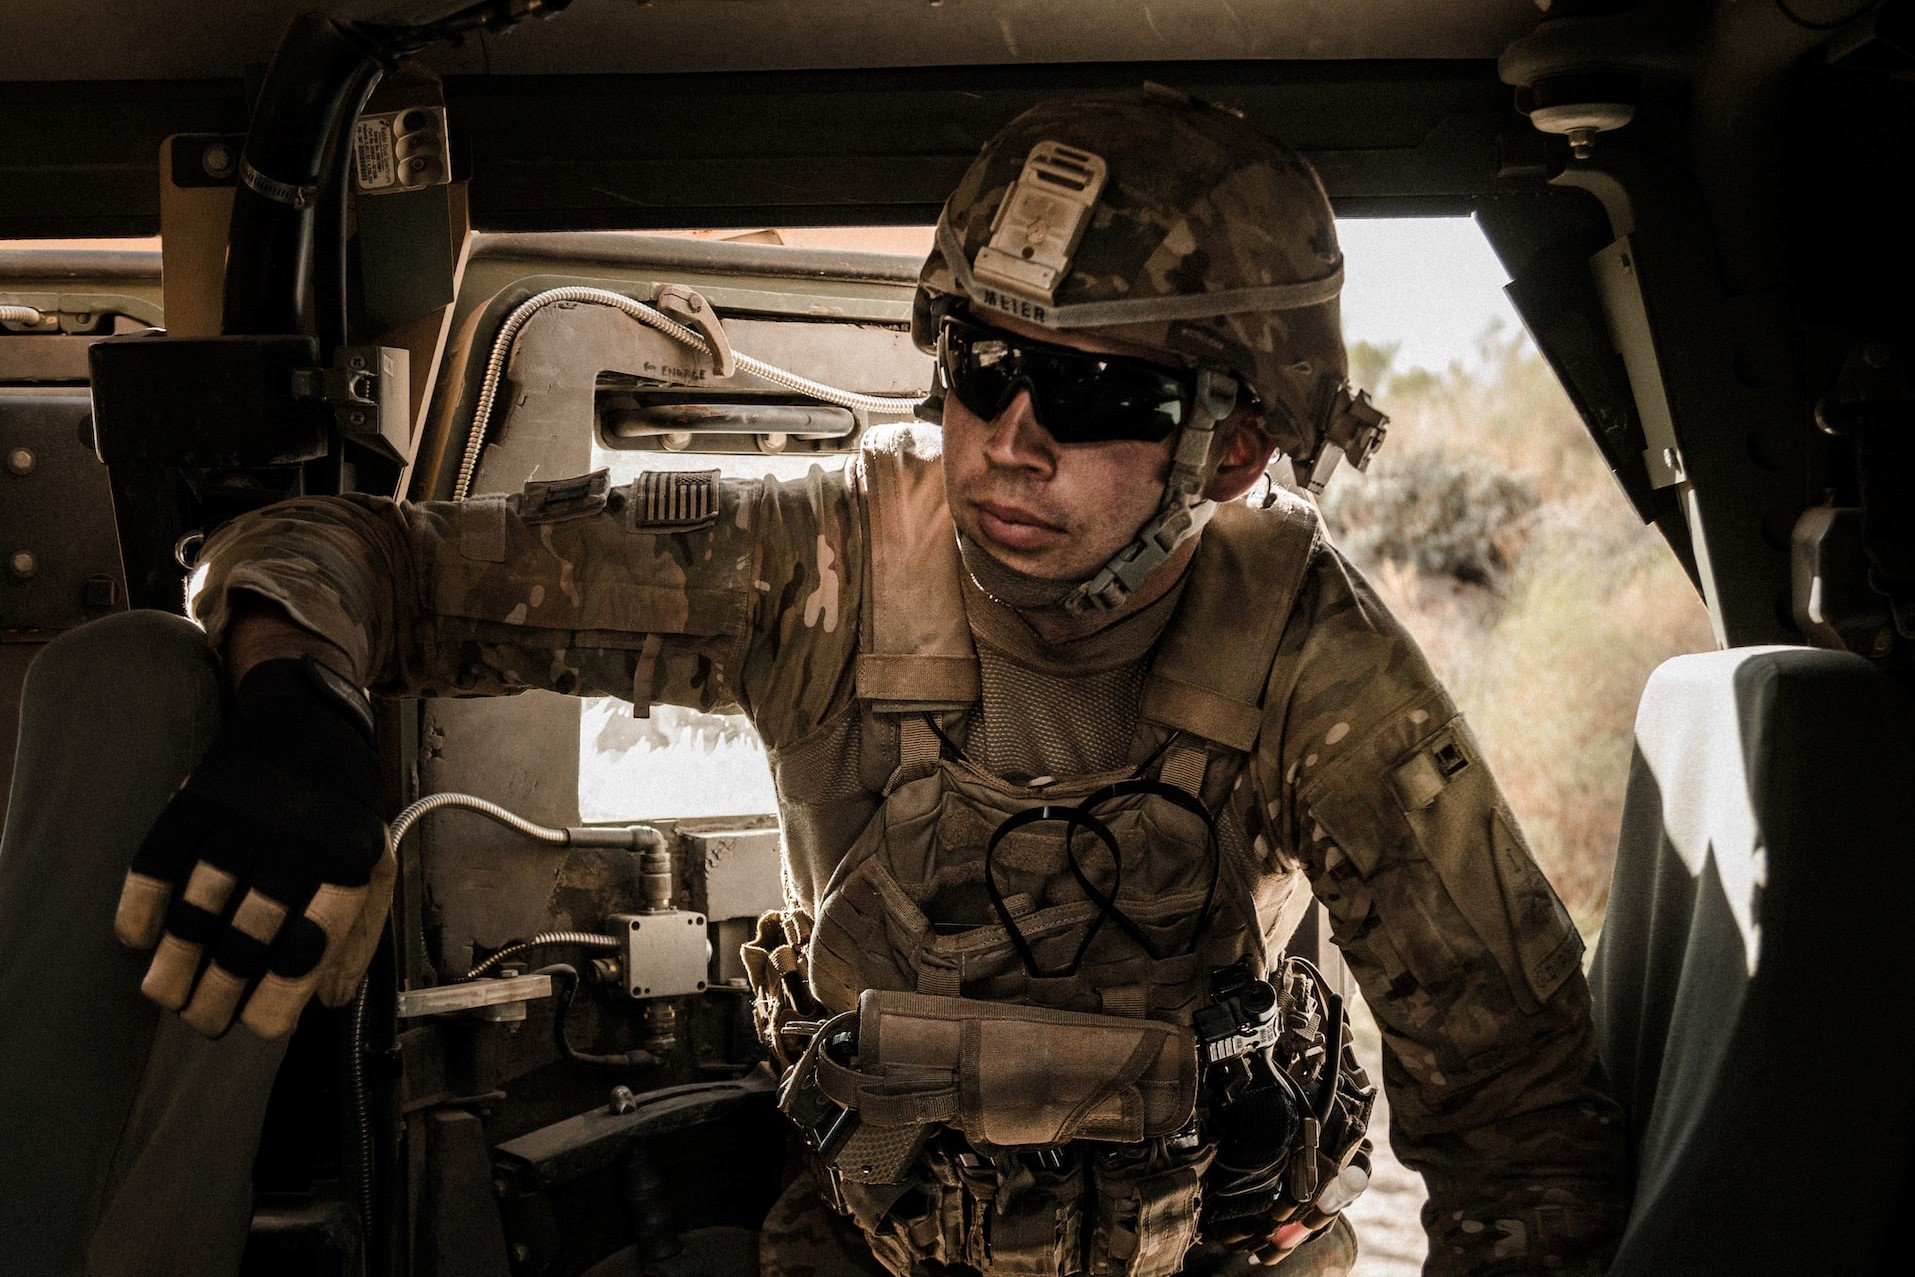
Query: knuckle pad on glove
x=209 y=887
x=191 y=924
x=242 y=955
x=259 y=916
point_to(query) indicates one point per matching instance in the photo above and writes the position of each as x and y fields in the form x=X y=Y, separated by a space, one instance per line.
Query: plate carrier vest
x=996 y=995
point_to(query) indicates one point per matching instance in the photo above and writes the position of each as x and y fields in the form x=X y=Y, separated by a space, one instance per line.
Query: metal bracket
x=1038 y=226
x=75 y=312
x=1614 y=269
x=495 y=996
x=369 y=390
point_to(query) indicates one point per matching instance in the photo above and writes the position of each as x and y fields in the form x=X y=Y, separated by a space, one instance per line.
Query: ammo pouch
x=974 y=1102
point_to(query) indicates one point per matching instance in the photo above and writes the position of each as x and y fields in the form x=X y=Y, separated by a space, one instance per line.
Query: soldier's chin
x=1009 y=584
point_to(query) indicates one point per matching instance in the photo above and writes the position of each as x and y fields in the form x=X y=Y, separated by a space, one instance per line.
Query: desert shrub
x=1440 y=514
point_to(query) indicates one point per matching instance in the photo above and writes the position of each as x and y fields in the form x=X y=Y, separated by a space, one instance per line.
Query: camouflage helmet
x=1158 y=219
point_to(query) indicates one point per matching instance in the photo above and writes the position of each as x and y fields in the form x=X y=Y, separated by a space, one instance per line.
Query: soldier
x=1055 y=619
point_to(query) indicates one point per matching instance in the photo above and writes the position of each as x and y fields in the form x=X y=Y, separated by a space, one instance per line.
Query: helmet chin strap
x=1181 y=515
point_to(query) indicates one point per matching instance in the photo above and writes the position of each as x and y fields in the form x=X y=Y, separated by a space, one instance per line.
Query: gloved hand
x=268 y=876
x=1266 y=1243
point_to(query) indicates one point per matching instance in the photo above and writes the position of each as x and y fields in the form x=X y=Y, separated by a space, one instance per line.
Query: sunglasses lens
x=1079 y=397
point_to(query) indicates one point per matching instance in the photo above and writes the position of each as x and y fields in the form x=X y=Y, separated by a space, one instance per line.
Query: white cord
x=509 y=332
x=21 y=315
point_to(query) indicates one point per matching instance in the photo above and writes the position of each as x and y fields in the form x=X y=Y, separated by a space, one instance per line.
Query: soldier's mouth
x=1016 y=527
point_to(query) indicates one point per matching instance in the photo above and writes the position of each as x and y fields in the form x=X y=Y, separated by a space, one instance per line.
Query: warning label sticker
x=373 y=150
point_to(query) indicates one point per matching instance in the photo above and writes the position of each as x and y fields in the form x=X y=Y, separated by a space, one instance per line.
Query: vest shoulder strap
x=915 y=650
x=1215 y=660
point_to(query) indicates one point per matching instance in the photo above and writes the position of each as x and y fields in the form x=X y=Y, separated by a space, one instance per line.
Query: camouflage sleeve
x=745 y=604
x=1465 y=955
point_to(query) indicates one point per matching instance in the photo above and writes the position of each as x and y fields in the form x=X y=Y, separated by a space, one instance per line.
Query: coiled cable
x=652 y=318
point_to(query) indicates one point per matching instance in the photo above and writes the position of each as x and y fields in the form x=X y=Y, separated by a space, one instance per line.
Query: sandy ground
x=1388 y=1228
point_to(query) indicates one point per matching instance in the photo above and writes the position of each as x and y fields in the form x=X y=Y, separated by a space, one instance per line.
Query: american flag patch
x=675 y=499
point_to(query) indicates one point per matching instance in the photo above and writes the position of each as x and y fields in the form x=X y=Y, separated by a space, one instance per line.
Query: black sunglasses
x=1078 y=397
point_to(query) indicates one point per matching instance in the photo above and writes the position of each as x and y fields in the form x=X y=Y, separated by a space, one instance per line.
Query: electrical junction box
x=666 y=954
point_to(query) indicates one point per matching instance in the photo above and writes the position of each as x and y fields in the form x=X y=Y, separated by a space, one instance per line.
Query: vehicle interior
x=436 y=294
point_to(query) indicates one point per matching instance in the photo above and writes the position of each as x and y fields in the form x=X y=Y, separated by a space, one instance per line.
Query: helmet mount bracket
x=1040 y=223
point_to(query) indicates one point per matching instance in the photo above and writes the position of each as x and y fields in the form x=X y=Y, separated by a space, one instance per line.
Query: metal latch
x=369 y=390
x=686 y=306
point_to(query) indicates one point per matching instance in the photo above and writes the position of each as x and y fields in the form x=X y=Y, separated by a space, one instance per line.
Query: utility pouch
x=1146 y=1215
x=1010 y=1076
x=1030 y=1220
x=783 y=1009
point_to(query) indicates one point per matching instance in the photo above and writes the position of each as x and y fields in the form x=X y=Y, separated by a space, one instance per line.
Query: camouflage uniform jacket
x=739 y=595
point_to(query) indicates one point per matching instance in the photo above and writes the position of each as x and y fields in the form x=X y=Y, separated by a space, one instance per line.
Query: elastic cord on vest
x=1077 y=818
x=1083 y=816
x=1212 y=849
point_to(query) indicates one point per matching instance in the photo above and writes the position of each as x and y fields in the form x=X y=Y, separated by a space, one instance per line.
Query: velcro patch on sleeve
x=1423 y=775
x=674 y=500
x=482 y=528
x=553 y=500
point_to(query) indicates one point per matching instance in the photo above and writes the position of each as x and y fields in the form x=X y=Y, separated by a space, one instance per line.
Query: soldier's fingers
x=273 y=1010
x=188 y=833
x=159 y=864
x=240 y=957
x=346 y=959
x=294 y=966
x=170 y=976
x=191 y=922
x=214 y=1001
x=197 y=909
x=245 y=946
x=141 y=914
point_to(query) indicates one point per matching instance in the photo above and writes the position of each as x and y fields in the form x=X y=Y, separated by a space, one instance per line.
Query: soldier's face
x=1053 y=511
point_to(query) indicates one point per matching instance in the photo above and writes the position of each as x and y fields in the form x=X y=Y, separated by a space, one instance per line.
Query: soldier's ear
x=1247 y=450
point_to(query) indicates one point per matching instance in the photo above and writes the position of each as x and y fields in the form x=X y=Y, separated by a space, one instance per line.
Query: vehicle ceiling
x=1703 y=268
x=168 y=39
x=637 y=113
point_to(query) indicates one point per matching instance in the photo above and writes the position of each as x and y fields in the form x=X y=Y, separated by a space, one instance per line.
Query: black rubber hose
x=320 y=76
x=568 y=978
x=332 y=210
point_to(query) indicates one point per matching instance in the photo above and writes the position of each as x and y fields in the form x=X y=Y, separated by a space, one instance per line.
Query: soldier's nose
x=1016 y=438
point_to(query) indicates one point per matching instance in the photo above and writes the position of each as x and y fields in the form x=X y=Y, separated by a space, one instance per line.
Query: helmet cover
x=1194 y=207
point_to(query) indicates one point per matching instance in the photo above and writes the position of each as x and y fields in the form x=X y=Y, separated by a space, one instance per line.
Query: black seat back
x=1753 y=981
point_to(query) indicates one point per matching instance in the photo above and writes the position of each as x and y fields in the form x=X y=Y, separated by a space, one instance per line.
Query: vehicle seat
x=1753 y=980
